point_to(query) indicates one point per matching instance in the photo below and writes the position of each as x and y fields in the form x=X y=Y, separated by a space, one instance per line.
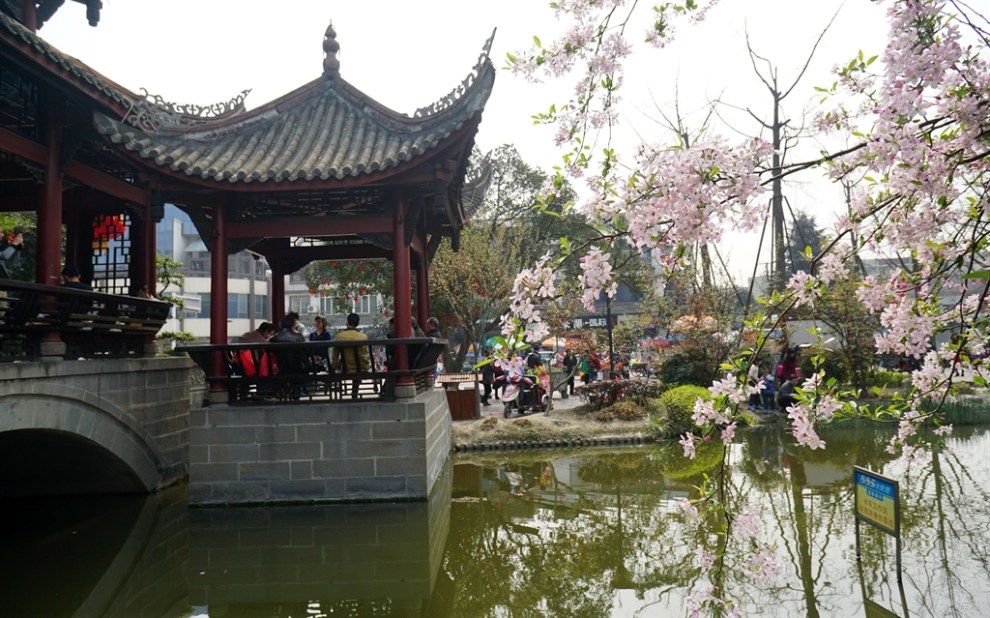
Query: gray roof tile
x=326 y=130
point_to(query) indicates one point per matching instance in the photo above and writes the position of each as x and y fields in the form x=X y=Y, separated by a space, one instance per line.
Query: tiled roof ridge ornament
x=152 y=112
x=464 y=86
x=331 y=65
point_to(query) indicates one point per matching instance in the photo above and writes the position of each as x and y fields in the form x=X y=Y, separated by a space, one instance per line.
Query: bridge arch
x=58 y=439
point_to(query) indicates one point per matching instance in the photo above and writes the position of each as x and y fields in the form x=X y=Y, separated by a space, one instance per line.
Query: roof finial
x=331 y=66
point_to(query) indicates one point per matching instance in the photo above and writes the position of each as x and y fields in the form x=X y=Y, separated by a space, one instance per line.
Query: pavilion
x=323 y=172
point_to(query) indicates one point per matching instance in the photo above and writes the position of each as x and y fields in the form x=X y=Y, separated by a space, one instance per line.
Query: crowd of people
x=770 y=397
x=352 y=358
x=585 y=368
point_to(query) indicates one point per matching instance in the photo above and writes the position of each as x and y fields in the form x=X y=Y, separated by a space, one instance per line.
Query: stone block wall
x=318 y=453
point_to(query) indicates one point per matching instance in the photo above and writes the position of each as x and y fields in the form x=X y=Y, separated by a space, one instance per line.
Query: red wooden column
x=218 y=296
x=49 y=253
x=73 y=243
x=401 y=282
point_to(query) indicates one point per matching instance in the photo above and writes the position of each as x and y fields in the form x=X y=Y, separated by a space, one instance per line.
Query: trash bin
x=462 y=395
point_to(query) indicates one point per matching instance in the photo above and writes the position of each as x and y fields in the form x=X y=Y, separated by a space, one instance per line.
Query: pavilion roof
x=326 y=130
x=70 y=68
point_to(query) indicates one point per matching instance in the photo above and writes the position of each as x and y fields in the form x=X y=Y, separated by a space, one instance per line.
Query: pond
x=552 y=533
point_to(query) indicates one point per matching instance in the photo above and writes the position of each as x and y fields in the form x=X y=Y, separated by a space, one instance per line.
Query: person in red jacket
x=257 y=363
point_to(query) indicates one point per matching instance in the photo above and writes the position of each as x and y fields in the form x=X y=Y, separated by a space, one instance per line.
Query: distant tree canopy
x=346 y=280
x=804 y=233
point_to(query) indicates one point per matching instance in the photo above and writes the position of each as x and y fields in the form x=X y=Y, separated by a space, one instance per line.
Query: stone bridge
x=95 y=426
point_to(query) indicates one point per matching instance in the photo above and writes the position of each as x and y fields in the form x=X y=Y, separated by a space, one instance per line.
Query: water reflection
x=106 y=556
x=590 y=533
x=357 y=559
x=603 y=537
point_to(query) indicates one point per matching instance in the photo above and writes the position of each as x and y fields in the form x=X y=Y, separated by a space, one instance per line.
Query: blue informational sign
x=878 y=504
x=877 y=500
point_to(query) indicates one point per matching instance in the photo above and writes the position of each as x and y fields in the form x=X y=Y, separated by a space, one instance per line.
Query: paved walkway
x=496 y=409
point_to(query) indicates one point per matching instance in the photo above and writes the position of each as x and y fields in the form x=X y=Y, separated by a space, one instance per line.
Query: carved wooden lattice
x=112 y=253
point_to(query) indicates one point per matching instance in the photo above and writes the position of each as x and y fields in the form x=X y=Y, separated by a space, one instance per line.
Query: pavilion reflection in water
x=157 y=557
x=378 y=559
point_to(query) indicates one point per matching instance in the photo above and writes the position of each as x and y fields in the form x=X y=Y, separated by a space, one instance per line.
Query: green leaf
x=536 y=41
x=978 y=274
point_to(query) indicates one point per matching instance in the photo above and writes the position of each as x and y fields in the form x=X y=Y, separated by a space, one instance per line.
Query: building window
x=326 y=305
x=237 y=306
x=299 y=304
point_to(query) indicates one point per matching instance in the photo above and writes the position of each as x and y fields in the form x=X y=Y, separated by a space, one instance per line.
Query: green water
x=567 y=534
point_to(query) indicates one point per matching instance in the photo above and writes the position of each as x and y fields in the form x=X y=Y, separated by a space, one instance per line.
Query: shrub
x=640 y=390
x=679 y=405
x=598 y=394
x=180 y=336
x=627 y=410
x=685 y=368
x=884 y=378
x=606 y=392
x=835 y=366
x=603 y=415
x=621 y=410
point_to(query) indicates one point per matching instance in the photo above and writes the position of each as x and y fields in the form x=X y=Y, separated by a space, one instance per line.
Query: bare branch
x=812 y=53
x=752 y=58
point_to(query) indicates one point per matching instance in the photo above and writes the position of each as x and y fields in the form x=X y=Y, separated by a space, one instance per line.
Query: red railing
x=91 y=324
x=305 y=372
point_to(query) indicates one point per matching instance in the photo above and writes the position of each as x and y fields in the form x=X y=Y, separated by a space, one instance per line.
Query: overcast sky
x=408 y=54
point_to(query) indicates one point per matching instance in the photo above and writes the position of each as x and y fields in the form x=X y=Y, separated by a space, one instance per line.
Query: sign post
x=878 y=504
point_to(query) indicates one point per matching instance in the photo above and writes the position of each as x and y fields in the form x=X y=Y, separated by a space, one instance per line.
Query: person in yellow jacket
x=350 y=359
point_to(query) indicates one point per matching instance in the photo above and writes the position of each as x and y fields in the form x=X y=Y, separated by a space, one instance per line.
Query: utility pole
x=608 y=327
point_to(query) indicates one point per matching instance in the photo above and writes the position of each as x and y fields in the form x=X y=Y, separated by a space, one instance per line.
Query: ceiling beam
x=311 y=254
x=315 y=227
x=36 y=153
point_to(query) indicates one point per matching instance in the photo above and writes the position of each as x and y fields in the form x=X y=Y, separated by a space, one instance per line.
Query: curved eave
x=474 y=190
x=325 y=133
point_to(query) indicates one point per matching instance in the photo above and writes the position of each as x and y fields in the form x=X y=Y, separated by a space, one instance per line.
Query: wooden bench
x=300 y=378
x=91 y=324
